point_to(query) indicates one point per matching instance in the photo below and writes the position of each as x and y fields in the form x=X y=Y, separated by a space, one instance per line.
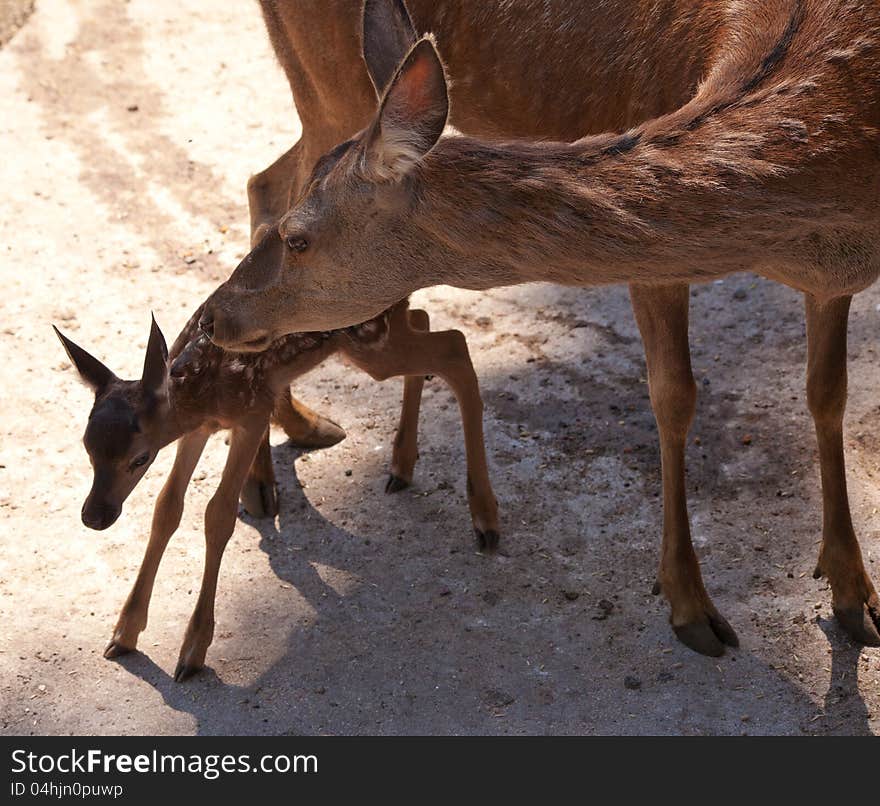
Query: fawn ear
x=92 y=372
x=388 y=35
x=155 y=371
x=411 y=116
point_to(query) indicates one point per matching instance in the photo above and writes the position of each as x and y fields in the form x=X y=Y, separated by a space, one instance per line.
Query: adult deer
x=771 y=166
x=199 y=389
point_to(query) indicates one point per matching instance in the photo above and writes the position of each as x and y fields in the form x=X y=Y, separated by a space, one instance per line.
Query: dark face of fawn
x=124 y=434
x=317 y=268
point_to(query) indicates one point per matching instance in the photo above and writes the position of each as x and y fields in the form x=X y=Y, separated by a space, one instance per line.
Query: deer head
x=343 y=254
x=126 y=427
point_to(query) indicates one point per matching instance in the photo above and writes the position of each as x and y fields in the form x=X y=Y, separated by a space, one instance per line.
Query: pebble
x=632 y=683
x=605 y=609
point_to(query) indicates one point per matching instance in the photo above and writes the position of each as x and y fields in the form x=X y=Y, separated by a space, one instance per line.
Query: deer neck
x=607 y=210
x=759 y=162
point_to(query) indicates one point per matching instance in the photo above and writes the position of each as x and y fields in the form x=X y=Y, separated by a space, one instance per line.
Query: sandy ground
x=128 y=131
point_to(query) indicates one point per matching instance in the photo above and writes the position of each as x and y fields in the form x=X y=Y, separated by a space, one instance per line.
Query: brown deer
x=772 y=166
x=199 y=389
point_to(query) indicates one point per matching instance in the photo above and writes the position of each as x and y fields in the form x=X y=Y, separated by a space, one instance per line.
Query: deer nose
x=99 y=516
x=206 y=324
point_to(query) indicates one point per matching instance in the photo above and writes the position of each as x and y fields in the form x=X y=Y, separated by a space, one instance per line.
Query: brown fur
x=747 y=139
x=199 y=389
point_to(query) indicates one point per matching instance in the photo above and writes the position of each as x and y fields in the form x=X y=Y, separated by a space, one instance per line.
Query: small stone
x=747 y=439
x=348 y=472
x=132 y=108
x=632 y=683
x=605 y=609
x=495 y=698
x=572 y=596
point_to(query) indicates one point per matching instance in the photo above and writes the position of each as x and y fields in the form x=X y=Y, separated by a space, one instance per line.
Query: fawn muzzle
x=99 y=514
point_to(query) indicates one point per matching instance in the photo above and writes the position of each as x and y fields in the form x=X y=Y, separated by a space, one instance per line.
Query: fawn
x=199 y=389
x=771 y=166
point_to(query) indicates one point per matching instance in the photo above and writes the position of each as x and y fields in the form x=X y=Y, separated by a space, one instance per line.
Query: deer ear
x=92 y=372
x=411 y=116
x=156 y=361
x=388 y=35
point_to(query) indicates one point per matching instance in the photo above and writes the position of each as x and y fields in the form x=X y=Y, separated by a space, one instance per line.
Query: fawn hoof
x=185 y=671
x=114 y=649
x=862 y=624
x=259 y=499
x=324 y=434
x=487 y=541
x=707 y=637
x=395 y=484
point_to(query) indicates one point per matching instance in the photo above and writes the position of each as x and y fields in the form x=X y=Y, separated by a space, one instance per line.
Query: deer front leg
x=410 y=352
x=853 y=597
x=662 y=316
x=132 y=619
x=219 y=525
x=259 y=495
x=306 y=428
x=268 y=195
x=405 y=452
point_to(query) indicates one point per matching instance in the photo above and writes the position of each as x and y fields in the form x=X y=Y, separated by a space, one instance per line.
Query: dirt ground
x=128 y=132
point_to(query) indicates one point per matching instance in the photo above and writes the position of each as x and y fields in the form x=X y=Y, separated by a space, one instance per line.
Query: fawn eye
x=140 y=461
x=296 y=243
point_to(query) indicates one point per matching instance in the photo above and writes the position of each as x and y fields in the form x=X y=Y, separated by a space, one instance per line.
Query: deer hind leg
x=259 y=495
x=405 y=452
x=305 y=428
x=662 y=316
x=853 y=597
x=410 y=352
x=219 y=525
x=132 y=619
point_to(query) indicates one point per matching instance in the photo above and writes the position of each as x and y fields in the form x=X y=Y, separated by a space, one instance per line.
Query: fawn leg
x=405 y=452
x=219 y=525
x=662 y=316
x=166 y=518
x=853 y=597
x=304 y=427
x=259 y=495
x=410 y=352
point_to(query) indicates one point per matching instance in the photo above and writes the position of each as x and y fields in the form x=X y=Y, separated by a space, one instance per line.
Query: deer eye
x=296 y=243
x=140 y=461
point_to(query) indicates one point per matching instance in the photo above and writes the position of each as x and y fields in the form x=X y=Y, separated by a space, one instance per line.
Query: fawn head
x=125 y=429
x=343 y=253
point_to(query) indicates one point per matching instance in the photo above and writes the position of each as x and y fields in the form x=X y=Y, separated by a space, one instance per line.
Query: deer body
x=200 y=389
x=770 y=164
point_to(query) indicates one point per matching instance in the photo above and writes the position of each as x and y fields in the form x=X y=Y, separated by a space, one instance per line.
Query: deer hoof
x=259 y=499
x=114 y=649
x=487 y=541
x=184 y=672
x=324 y=434
x=862 y=624
x=396 y=484
x=707 y=637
